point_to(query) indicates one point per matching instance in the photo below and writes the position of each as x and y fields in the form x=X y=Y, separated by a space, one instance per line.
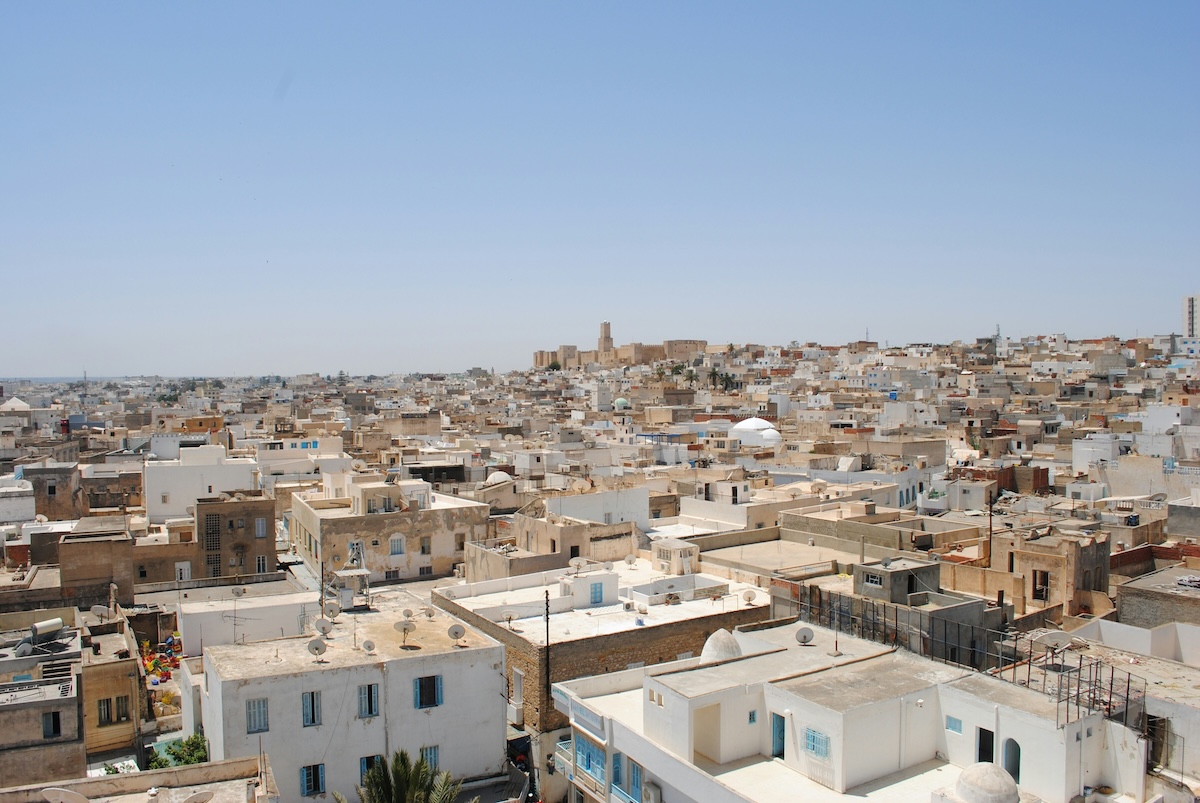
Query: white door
x=183 y=570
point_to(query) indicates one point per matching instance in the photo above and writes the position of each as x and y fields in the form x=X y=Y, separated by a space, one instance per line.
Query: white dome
x=496 y=477
x=771 y=436
x=720 y=646
x=986 y=782
x=755 y=423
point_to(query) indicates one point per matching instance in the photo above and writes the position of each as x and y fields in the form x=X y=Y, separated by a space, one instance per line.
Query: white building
x=759 y=713
x=172 y=486
x=16 y=500
x=324 y=719
x=290 y=459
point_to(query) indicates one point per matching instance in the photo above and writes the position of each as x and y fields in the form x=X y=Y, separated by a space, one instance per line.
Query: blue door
x=778 y=729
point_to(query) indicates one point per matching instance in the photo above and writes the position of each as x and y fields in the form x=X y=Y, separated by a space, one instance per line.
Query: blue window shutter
x=303 y=787
x=321 y=773
x=362 y=770
x=417 y=693
x=439 y=689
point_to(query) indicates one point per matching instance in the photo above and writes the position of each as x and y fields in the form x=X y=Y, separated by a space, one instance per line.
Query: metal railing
x=564 y=756
x=623 y=796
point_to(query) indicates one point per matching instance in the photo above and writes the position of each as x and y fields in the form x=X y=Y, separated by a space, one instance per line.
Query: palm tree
x=714 y=376
x=690 y=377
x=406 y=781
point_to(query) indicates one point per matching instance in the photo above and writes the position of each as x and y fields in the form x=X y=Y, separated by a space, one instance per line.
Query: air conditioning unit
x=651 y=792
x=628 y=606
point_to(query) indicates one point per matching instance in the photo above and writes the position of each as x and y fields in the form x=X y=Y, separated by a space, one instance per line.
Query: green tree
x=192 y=750
x=714 y=376
x=690 y=376
x=404 y=781
x=677 y=369
x=554 y=366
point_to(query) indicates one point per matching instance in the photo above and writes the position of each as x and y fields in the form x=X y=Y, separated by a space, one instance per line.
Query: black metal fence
x=1044 y=661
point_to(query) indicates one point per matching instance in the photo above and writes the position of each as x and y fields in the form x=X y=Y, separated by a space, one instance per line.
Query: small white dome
x=496 y=477
x=986 y=782
x=720 y=646
x=771 y=436
x=755 y=423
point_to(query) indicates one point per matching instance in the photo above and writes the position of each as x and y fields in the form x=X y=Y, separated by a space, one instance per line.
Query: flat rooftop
x=780 y=557
x=343 y=644
x=844 y=688
x=1166 y=581
x=783 y=664
x=525 y=595
x=172 y=599
x=1008 y=695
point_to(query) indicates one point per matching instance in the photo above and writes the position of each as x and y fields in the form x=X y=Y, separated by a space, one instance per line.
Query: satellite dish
x=886 y=563
x=23 y=650
x=456 y=632
x=404 y=628
x=317 y=647
x=99 y=610
x=749 y=595
x=578 y=563
x=332 y=610
x=1055 y=639
x=237 y=592
x=630 y=560
x=56 y=795
x=428 y=611
x=324 y=626
x=199 y=797
x=804 y=636
x=509 y=616
x=408 y=614
x=369 y=645
x=608 y=567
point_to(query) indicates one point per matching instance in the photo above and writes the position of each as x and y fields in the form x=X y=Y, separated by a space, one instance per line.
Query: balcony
x=564 y=756
x=621 y=795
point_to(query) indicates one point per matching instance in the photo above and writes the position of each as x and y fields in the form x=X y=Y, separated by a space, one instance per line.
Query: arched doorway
x=1012 y=759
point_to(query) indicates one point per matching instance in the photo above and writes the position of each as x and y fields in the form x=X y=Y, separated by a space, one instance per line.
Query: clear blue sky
x=225 y=188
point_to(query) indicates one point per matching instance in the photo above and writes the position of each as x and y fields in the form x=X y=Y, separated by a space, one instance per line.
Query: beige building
x=404 y=529
x=41 y=703
x=1060 y=566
